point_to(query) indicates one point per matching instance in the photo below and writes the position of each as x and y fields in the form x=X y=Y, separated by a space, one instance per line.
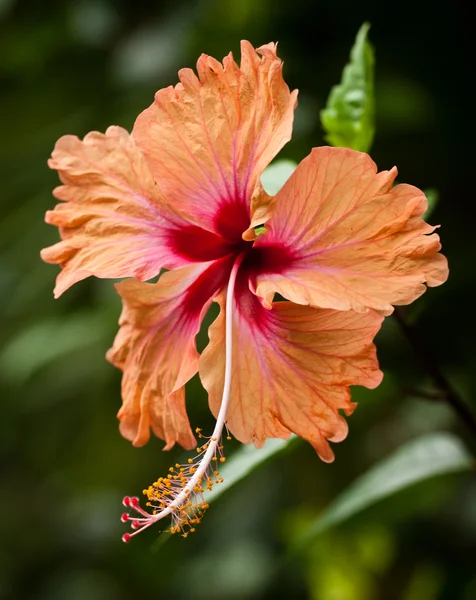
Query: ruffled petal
x=292 y=368
x=113 y=220
x=208 y=139
x=155 y=348
x=349 y=239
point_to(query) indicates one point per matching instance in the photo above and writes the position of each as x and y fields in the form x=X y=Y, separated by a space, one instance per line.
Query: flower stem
x=432 y=367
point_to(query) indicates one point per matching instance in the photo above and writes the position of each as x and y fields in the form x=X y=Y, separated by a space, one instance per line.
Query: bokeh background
x=71 y=66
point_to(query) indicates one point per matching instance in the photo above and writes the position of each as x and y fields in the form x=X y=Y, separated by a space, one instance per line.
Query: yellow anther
x=222 y=459
x=190 y=461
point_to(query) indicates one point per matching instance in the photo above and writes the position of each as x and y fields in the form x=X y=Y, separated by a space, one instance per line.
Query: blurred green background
x=80 y=65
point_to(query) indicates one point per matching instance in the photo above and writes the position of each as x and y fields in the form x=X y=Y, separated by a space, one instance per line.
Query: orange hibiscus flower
x=183 y=193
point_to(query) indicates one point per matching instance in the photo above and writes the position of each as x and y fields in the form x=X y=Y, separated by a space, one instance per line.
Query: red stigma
x=126 y=501
x=126 y=537
x=125 y=517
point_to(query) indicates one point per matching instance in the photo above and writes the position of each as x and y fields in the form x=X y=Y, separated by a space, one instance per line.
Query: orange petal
x=208 y=140
x=113 y=221
x=155 y=347
x=353 y=241
x=292 y=367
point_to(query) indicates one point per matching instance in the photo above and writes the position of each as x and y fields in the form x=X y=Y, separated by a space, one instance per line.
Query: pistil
x=179 y=494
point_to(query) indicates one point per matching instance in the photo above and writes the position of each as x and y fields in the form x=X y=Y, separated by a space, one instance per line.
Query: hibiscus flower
x=338 y=243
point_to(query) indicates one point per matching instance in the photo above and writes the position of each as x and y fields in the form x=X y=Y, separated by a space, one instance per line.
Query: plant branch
x=432 y=367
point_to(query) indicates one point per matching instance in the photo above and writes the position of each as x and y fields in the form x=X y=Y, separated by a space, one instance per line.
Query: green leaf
x=260 y=229
x=433 y=199
x=47 y=341
x=348 y=118
x=276 y=175
x=420 y=459
x=244 y=461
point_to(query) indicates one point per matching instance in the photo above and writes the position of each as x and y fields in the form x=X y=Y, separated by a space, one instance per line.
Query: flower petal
x=113 y=220
x=155 y=347
x=208 y=140
x=292 y=366
x=351 y=240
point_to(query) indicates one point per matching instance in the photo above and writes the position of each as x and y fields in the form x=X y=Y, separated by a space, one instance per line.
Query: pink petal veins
x=357 y=242
x=208 y=140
